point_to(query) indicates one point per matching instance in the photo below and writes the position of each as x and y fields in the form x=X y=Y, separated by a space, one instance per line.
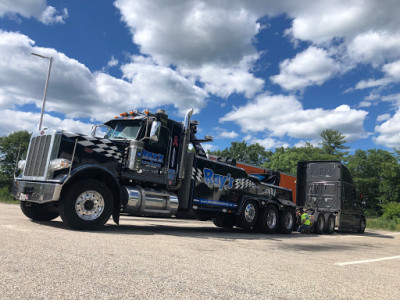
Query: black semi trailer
x=139 y=163
x=327 y=191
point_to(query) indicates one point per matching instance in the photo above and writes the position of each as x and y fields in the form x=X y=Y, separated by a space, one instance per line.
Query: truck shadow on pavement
x=179 y=229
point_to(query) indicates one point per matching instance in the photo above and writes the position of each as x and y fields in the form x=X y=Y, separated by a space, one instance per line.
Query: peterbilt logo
x=42 y=132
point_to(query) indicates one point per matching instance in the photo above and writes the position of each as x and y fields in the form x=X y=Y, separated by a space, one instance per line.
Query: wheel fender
x=102 y=174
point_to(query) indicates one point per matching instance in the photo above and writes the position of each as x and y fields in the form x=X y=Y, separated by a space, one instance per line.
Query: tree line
x=376 y=172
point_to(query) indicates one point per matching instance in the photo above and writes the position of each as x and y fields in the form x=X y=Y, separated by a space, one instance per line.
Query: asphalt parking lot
x=180 y=259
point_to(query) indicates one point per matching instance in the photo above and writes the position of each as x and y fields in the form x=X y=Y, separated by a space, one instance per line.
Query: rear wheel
x=363 y=225
x=287 y=221
x=319 y=226
x=87 y=204
x=248 y=216
x=268 y=220
x=330 y=226
x=39 y=212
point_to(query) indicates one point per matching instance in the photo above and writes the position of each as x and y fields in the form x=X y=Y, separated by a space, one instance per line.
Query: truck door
x=155 y=155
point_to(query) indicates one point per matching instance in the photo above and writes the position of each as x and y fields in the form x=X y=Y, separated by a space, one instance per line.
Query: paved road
x=179 y=259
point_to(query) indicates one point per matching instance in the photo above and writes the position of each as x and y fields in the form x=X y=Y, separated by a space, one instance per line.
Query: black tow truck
x=139 y=163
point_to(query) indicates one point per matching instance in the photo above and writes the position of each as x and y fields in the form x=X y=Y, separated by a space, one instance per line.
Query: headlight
x=59 y=163
x=21 y=164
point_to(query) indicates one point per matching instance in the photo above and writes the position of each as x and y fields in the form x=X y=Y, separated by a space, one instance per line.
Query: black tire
x=268 y=220
x=319 y=226
x=249 y=215
x=287 y=221
x=86 y=204
x=330 y=226
x=39 y=212
x=224 y=221
x=363 y=225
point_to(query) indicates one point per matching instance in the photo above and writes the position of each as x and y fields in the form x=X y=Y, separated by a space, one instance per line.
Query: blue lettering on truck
x=217 y=180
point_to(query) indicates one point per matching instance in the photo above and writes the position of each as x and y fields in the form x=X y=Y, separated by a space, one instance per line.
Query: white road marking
x=366 y=261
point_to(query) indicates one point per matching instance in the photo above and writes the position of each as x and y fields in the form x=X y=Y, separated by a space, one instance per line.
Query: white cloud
x=212 y=43
x=383 y=117
x=33 y=8
x=310 y=67
x=389 y=131
x=224 y=134
x=112 y=62
x=284 y=115
x=78 y=93
x=392 y=75
x=13 y=120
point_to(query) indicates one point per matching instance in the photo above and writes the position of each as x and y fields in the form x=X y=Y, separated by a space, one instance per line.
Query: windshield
x=123 y=130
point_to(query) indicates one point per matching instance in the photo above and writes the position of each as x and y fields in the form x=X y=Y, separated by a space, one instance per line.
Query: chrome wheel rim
x=89 y=205
x=271 y=219
x=249 y=213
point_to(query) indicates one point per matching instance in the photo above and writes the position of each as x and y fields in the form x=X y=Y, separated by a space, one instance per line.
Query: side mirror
x=155 y=131
x=99 y=131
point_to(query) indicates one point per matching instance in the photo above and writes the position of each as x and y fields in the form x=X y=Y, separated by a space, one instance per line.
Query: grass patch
x=382 y=223
x=6 y=197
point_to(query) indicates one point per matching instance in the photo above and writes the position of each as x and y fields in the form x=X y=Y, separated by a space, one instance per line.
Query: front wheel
x=87 y=204
x=268 y=220
x=39 y=212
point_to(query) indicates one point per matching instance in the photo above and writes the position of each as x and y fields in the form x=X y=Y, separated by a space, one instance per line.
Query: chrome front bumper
x=38 y=192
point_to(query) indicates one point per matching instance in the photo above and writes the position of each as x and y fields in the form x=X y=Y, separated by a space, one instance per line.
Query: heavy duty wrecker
x=139 y=164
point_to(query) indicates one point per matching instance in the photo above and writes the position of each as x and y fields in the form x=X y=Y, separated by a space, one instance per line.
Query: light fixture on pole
x=45 y=87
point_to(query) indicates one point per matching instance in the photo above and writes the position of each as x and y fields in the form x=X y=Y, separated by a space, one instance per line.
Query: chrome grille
x=37 y=159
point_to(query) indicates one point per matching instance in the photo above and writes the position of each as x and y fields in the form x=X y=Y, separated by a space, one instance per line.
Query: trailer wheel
x=224 y=221
x=287 y=221
x=363 y=224
x=249 y=215
x=39 y=212
x=268 y=221
x=319 y=227
x=88 y=204
x=330 y=227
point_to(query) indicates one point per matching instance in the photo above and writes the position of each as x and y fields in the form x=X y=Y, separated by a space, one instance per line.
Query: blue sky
x=272 y=72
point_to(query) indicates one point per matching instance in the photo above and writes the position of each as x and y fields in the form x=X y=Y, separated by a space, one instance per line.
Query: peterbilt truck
x=326 y=190
x=139 y=163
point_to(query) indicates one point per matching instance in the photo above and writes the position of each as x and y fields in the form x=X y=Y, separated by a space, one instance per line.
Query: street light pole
x=46 y=85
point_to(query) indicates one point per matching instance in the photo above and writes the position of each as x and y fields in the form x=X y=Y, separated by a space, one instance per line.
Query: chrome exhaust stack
x=185 y=143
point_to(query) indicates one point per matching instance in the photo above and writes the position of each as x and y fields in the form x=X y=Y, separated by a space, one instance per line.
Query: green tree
x=9 y=148
x=286 y=159
x=376 y=173
x=333 y=142
x=254 y=154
